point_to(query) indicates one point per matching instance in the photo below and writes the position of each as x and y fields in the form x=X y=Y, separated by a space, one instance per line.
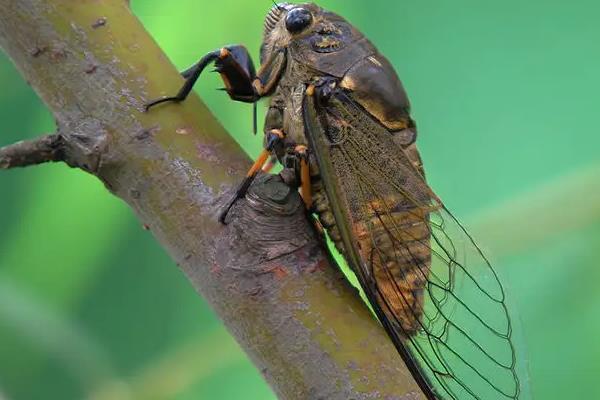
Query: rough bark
x=23 y=154
x=267 y=274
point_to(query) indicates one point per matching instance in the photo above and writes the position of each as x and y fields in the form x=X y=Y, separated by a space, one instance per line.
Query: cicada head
x=289 y=24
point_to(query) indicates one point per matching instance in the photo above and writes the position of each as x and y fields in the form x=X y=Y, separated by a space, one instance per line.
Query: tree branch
x=267 y=274
x=32 y=152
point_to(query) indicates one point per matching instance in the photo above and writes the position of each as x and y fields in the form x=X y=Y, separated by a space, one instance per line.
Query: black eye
x=298 y=19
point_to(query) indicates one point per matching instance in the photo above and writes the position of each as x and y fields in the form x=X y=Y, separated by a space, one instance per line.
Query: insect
x=339 y=122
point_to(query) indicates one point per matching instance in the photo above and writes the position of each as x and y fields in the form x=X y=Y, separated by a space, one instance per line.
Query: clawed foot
x=156 y=102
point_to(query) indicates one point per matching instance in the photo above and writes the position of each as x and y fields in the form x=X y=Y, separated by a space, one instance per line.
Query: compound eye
x=298 y=19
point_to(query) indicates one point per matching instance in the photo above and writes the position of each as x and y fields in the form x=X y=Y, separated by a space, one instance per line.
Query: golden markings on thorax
x=328 y=42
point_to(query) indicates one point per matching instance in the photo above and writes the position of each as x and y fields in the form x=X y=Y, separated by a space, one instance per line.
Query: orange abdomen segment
x=397 y=247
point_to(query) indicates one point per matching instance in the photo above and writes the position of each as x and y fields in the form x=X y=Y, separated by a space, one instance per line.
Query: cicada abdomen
x=400 y=267
x=391 y=232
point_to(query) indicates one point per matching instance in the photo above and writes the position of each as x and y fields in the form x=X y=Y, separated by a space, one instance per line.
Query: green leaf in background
x=505 y=94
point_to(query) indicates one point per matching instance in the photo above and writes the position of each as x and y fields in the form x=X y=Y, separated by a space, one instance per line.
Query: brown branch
x=267 y=274
x=32 y=152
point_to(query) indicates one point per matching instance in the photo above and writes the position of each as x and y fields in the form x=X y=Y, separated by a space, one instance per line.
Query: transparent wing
x=436 y=294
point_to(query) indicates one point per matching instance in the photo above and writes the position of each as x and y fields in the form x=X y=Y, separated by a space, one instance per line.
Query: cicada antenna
x=277 y=5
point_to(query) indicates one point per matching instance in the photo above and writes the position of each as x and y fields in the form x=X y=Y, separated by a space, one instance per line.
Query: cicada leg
x=274 y=137
x=237 y=71
x=301 y=152
x=236 y=67
x=270 y=164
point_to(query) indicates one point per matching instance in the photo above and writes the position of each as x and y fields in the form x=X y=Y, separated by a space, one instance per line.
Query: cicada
x=339 y=122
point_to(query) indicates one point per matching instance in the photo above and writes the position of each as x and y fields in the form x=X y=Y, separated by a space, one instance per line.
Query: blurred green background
x=506 y=97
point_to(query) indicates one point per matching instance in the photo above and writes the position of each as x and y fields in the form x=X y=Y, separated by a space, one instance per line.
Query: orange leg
x=274 y=136
x=258 y=164
x=305 y=187
x=270 y=164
